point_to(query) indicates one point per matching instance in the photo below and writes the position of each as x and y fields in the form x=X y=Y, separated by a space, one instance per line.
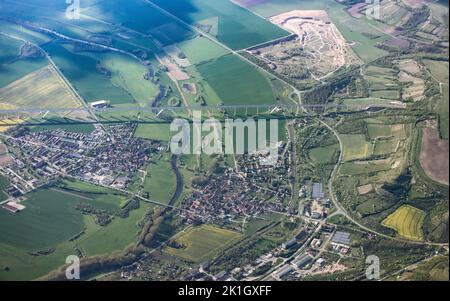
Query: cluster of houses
x=268 y=179
x=224 y=197
x=245 y=191
x=107 y=158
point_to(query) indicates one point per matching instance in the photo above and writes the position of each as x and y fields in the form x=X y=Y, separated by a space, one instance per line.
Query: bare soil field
x=174 y=71
x=398 y=42
x=5 y=159
x=364 y=189
x=318 y=50
x=177 y=55
x=190 y=88
x=434 y=156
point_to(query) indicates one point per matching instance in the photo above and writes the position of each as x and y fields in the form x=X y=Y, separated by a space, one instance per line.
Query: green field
x=357 y=169
x=104 y=196
x=12 y=67
x=35 y=227
x=200 y=49
x=49 y=221
x=370 y=101
x=439 y=70
x=383 y=147
x=81 y=128
x=377 y=130
x=10 y=49
x=160 y=182
x=435 y=269
x=380 y=72
x=355 y=147
x=324 y=155
x=407 y=221
x=442 y=110
x=249 y=85
x=142 y=17
x=386 y=94
x=23 y=33
x=128 y=74
x=153 y=131
x=237 y=28
x=201 y=243
x=82 y=72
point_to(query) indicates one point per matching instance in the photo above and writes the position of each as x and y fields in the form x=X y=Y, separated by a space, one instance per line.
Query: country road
x=336 y=203
x=344 y=212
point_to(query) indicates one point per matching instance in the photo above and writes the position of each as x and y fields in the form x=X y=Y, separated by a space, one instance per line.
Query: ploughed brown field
x=434 y=156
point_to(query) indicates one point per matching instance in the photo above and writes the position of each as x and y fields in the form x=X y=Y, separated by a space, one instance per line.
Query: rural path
x=409 y=267
x=340 y=208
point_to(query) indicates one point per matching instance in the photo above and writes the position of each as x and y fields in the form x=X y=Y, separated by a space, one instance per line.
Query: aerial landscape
x=224 y=140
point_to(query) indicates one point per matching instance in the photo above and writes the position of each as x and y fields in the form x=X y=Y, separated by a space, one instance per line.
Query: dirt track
x=434 y=156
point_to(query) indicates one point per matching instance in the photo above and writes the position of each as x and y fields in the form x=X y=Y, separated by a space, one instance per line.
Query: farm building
x=285 y=270
x=99 y=104
x=302 y=261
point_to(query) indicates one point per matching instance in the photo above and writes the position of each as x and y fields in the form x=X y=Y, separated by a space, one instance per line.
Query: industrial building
x=341 y=239
x=302 y=261
x=101 y=104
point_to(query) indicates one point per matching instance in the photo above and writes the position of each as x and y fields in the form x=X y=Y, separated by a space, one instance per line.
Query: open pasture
x=440 y=72
x=50 y=222
x=237 y=82
x=355 y=147
x=200 y=49
x=12 y=65
x=407 y=221
x=324 y=155
x=83 y=73
x=384 y=147
x=363 y=168
x=160 y=182
x=128 y=74
x=200 y=243
x=237 y=27
x=383 y=131
x=141 y=17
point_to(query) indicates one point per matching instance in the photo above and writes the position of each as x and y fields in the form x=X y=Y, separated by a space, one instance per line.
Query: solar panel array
x=317 y=191
x=341 y=238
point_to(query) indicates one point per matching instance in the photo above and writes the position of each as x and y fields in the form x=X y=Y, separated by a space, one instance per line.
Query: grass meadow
x=201 y=243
